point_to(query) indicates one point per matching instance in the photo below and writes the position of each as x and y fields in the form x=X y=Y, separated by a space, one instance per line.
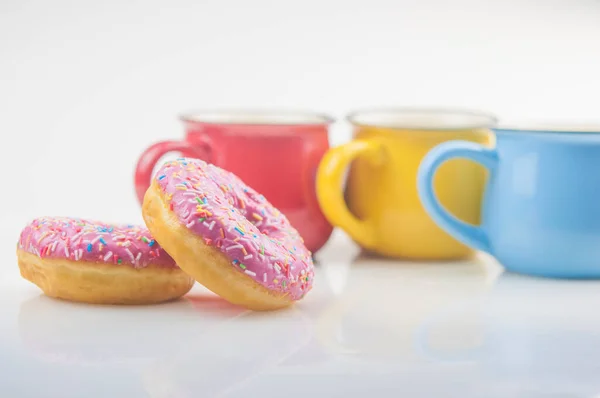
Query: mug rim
x=480 y=119
x=257 y=117
x=549 y=128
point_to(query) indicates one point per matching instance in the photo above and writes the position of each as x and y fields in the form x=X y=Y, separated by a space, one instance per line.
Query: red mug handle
x=148 y=158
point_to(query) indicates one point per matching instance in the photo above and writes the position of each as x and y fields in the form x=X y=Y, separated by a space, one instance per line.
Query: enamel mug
x=541 y=207
x=379 y=207
x=275 y=152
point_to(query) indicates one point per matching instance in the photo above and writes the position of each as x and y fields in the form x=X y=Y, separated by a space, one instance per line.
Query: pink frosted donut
x=227 y=236
x=94 y=262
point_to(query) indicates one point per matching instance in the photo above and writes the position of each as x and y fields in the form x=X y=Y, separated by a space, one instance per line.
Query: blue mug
x=541 y=206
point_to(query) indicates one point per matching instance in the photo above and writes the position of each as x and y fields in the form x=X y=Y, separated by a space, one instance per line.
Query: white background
x=85 y=86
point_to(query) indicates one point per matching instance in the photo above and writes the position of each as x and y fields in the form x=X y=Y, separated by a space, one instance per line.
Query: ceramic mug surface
x=276 y=153
x=380 y=208
x=541 y=208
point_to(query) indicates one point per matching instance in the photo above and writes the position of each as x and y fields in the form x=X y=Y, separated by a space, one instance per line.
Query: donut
x=92 y=262
x=227 y=236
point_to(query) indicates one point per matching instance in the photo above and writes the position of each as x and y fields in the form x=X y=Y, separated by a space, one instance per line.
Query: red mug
x=276 y=153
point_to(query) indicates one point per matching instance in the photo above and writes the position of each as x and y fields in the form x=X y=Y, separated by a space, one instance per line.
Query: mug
x=276 y=153
x=381 y=209
x=541 y=209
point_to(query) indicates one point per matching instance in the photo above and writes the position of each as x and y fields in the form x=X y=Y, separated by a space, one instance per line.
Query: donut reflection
x=61 y=331
x=231 y=353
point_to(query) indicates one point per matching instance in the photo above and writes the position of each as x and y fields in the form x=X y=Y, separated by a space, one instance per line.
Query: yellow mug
x=381 y=210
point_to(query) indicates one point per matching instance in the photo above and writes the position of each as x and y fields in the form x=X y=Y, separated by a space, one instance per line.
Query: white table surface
x=370 y=327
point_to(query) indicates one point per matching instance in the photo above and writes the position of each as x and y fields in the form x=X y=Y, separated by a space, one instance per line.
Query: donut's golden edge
x=206 y=264
x=97 y=283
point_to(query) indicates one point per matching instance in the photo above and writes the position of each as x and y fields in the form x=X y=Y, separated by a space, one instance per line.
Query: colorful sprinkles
x=83 y=240
x=238 y=221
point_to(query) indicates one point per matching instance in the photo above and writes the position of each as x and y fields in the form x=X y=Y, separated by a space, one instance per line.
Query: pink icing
x=233 y=218
x=83 y=240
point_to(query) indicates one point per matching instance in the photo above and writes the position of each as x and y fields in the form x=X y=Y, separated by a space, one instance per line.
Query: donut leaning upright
x=227 y=236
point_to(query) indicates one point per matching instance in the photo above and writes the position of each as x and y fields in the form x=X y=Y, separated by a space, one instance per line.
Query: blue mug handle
x=468 y=234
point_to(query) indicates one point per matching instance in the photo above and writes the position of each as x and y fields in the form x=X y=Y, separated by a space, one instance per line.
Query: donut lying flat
x=92 y=262
x=227 y=236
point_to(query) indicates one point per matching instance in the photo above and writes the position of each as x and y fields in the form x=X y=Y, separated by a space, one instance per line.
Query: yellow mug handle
x=329 y=193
